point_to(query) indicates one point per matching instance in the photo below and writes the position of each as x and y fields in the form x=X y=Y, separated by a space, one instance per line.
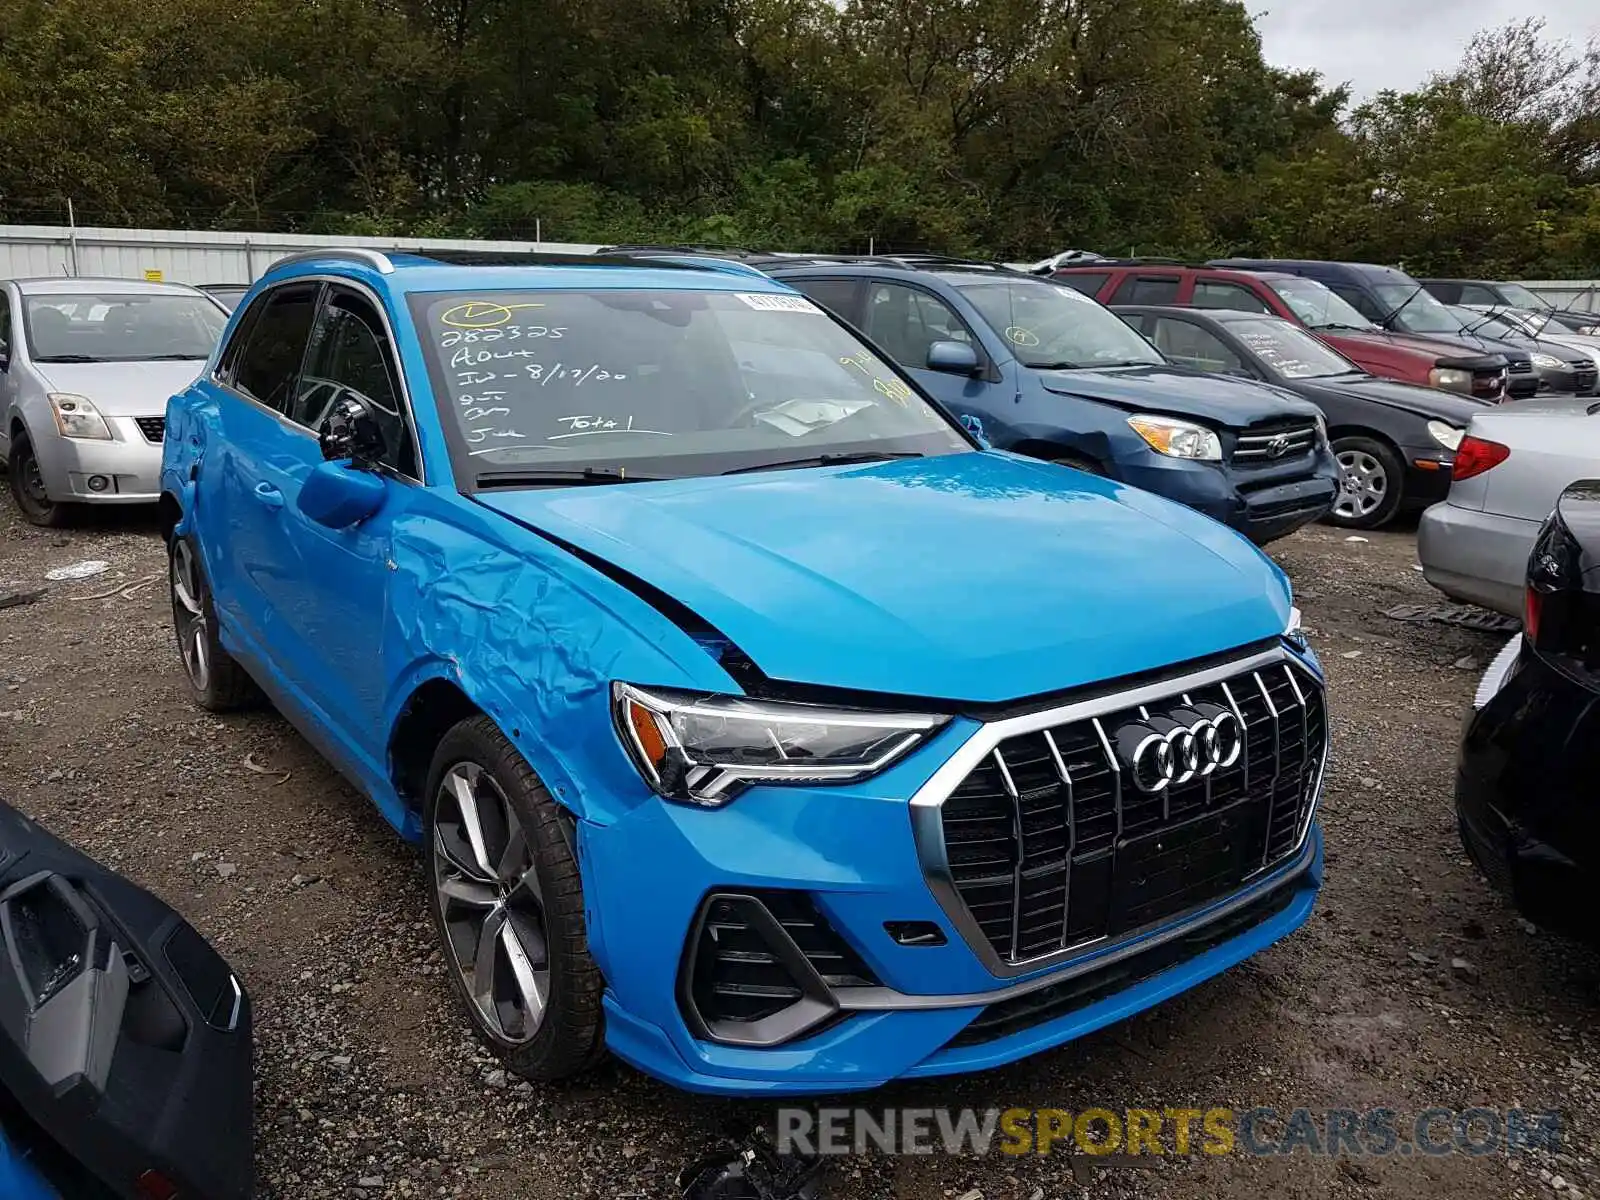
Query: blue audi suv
x=756 y=722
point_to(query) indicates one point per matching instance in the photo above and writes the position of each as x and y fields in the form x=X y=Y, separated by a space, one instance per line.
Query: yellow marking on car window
x=481 y=314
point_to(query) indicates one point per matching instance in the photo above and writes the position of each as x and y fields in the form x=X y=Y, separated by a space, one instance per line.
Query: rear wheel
x=1371 y=479
x=28 y=490
x=216 y=682
x=507 y=902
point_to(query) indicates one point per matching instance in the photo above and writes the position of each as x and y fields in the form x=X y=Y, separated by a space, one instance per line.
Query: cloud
x=1377 y=44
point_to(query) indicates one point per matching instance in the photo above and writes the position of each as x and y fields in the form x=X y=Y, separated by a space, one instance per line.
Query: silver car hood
x=123 y=389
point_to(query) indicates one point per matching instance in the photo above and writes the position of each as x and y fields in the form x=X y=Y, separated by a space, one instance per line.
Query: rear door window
x=1216 y=293
x=1087 y=282
x=1189 y=345
x=1147 y=289
x=838 y=296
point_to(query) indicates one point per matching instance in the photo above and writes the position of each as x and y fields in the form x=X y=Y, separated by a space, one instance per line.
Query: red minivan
x=1430 y=361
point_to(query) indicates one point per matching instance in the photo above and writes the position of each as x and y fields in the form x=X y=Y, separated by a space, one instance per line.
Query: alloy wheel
x=189 y=614
x=489 y=898
x=1363 y=485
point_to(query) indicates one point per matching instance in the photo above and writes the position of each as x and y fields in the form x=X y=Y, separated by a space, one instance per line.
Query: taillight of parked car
x=1476 y=455
x=1559 y=616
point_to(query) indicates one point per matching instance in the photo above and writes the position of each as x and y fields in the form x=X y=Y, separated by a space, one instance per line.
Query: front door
x=338 y=604
x=905 y=321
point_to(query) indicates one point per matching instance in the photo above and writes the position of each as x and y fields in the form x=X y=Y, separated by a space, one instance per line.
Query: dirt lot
x=368 y=1084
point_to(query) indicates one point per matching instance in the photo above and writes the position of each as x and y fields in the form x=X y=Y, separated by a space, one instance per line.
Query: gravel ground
x=369 y=1086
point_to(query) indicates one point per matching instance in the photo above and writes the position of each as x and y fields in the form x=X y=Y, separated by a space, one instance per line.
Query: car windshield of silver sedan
x=121 y=327
x=1290 y=350
x=1053 y=327
x=542 y=387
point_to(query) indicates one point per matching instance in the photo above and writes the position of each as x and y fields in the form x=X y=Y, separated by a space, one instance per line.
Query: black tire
x=216 y=682
x=566 y=1035
x=27 y=488
x=1363 y=464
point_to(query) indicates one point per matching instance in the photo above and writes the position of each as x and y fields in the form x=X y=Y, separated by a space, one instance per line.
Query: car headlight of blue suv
x=705 y=749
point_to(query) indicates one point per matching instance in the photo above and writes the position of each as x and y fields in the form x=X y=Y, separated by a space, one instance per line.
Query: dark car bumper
x=1569 y=380
x=1262 y=503
x=1427 y=479
x=1525 y=798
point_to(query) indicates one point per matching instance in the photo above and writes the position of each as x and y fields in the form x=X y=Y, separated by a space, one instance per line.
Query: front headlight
x=1452 y=379
x=1292 y=631
x=1547 y=362
x=705 y=749
x=1447 y=436
x=1177 y=439
x=76 y=417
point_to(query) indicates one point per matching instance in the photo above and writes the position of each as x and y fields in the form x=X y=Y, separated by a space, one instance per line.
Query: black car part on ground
x=753 y=1171
x=1531 y=754
x=125 y=1039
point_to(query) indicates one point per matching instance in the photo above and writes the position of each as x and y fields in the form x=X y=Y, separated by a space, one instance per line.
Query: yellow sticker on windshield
x=481 y=314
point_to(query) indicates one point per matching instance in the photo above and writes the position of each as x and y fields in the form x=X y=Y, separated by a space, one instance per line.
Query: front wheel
x=28 y=490
x=1370 y=481
x=507 y=903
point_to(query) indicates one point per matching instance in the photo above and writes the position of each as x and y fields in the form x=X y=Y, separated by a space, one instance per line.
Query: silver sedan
x=1512 y=464
x=86 y=369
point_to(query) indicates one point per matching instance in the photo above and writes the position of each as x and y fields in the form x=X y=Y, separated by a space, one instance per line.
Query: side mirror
x=339 y=496
x=350 y=433
x=955 y=358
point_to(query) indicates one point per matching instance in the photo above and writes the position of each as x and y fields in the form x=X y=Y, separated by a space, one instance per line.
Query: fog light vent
x=760 y=968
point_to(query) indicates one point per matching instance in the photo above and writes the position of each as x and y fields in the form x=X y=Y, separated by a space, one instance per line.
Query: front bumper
x=927 y=1008
x=1524 y=793
x=1475 y=556
x=125 y=470
x=1263 y=503
x=1427 y=475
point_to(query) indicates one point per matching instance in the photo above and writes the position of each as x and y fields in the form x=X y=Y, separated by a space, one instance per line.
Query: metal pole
x=872 y=246
x=72 y=237
x=538 y=234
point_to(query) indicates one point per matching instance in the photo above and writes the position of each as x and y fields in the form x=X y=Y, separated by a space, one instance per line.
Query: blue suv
x=756 y=722
x=1051 y=373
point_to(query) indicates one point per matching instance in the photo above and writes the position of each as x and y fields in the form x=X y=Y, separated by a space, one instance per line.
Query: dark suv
x=1432 y=361
x=1401 y=304
x=1050 y=373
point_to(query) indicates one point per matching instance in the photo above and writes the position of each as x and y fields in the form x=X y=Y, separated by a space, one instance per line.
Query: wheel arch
x=432 y=708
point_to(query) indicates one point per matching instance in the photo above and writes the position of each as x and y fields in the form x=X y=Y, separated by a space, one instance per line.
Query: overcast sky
x=1376 y=44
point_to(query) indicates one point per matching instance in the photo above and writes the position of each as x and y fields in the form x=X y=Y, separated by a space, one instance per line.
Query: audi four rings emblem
x=1187 y=743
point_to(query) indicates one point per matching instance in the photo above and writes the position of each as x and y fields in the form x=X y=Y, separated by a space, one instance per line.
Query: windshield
x=1290 y=350
x=1415 y=309
x=1319 y=306
x=1050 y=325
x=129 y=327
x=657 y=384
x=1501 y=325
x=1521 y=297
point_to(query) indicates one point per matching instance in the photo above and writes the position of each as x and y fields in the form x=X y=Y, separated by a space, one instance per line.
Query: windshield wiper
x=66 y=358
x=559 y=478
x=168 y=357
x=1397 y=311
x=827 y=460
x=1352 y=328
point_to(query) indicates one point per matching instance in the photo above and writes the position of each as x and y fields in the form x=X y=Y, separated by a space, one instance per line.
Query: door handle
x=268 y=495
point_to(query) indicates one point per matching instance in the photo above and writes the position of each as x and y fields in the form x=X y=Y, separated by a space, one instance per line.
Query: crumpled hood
x=123 y=389
x=1219 y=399
x=1430 y=402
x=978 y=576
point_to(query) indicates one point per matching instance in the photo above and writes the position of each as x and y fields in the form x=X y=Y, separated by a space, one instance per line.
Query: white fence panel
x=189 y=256
x=1581 y=295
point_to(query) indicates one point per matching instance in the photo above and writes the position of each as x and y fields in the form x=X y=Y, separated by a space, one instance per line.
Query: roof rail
x=370 y=258
x=705 y=262
x=698 y=249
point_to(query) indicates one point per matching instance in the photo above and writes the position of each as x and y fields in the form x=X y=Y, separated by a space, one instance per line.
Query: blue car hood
x=982 y=577
x=1219 y=399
